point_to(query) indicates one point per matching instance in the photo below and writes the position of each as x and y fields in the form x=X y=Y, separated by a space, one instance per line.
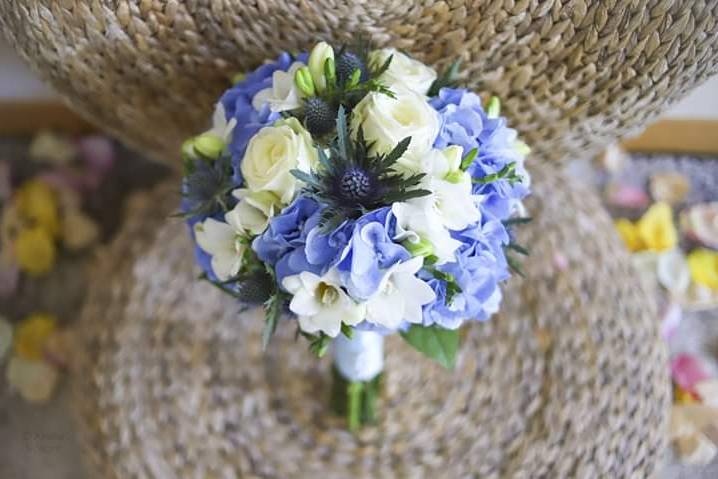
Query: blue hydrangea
x=465 y=123
x=282 y=244
x=479 y=268
x=369 y=252
x=237 y=103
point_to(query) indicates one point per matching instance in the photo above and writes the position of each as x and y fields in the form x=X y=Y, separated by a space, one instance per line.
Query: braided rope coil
x=574 y=74
x=174 y=382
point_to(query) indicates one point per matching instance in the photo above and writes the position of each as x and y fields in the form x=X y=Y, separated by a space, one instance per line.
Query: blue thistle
x=351 y=181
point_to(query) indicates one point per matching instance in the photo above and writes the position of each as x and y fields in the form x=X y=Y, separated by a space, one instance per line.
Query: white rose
x=283 y=95
x=321 y=52
x=386 y=121
x=403 y=71
x=271 y=155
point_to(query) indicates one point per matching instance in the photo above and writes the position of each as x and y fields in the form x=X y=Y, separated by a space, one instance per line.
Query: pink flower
x=687 y=371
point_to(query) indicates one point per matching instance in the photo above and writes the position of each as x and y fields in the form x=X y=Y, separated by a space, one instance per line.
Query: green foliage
x=447 y=79
x=517 y=221
x=349 y=92
x=207 y=186
x=437 y=343
x=385 y=186
x=347 y=331
x=469 y=159
x=452 y=287
x=507 y=173
x=273 y=312
x=355 y=400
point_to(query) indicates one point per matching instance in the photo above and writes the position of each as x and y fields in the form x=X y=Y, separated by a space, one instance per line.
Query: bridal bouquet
x=355 y=193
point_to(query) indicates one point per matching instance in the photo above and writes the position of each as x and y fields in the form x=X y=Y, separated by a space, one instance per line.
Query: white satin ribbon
x=360 y=358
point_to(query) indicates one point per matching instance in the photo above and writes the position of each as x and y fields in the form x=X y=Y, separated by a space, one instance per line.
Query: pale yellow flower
x=703 y=264
x=32 y=334
x=628 y=231
x=656 y=228
x=34 y=250
x=37 y=203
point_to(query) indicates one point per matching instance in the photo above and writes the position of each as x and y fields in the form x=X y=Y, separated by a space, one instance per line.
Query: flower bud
x=354 y=79
x=187 y=149
x=330 y=72
x=455 y=176
x=304 y=82
x=238 y=77
x=419 y=248
x=321 y=52
x=493 y=109
x=208 y=145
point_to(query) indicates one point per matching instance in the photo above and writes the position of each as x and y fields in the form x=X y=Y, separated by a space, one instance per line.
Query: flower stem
x=357 y=374
x=355 y=400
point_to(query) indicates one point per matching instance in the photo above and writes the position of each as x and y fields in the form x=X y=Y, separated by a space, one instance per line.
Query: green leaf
x=515 y=266
x=397 y=152
x=437 y=343
x=305 y=177
x=273 y=310
x=448 y=78
x=384 y=67
x=342 y=131
x=347 y=331
x=319 y=344
x=517 y=221
x=518 y=248
x=469 y=159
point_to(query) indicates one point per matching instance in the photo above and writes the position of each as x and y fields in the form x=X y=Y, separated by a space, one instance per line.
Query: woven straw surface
x=574 y=74
x=569 y=380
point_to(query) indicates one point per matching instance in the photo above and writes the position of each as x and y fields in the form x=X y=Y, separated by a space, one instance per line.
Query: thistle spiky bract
x=207 y=185
x=351 y=180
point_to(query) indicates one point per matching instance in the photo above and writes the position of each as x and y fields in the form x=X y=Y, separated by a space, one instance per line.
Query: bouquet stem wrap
x=358 y=366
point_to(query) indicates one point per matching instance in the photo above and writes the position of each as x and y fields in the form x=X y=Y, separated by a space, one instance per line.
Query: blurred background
x=671 y=168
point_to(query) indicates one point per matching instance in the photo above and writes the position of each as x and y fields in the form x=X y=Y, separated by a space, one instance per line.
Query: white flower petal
x=673 y=272
x=213 y=236
x=304 y=303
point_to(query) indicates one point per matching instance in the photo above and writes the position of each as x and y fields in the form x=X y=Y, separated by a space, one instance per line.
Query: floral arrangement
x=46 y=228
x=363 y=194
x=670 y=227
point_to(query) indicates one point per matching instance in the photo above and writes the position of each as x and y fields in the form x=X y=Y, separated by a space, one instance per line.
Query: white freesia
x=400 y=296
x=223 y=241
x=450 y=206
x=256 y=208
x=221 y=128
x=283 y=95
x=418 y=220
x=453 y=201
x=271 y=155
x=435 y=162
x=320 y=303
x=403 y=71
x=386 y=121
x=321 y=52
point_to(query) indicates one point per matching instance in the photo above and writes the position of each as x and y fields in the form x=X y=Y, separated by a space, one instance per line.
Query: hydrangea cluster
x=356 y=189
